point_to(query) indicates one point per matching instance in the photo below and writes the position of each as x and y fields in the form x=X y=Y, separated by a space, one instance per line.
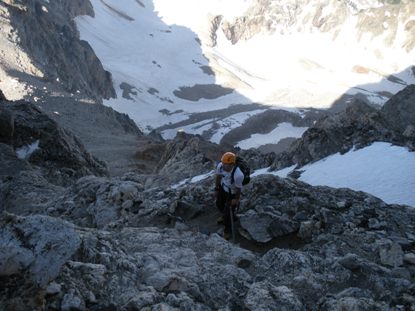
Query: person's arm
x=239 y=177
x=218 y=180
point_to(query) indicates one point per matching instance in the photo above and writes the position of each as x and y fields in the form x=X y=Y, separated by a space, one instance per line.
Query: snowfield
x=383 y=170
x=283 y=130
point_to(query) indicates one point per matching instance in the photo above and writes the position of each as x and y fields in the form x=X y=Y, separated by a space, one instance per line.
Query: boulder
x=99 y=202
x=391 y=254
x=265 y=296
x=38 y=244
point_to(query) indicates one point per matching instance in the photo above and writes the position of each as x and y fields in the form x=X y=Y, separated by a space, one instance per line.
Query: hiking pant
x=223 y=203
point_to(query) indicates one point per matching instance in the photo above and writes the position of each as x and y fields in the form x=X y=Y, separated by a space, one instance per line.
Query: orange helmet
x=228 y=158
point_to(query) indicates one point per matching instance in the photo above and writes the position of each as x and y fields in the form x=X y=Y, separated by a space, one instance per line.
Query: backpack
x=244 y=167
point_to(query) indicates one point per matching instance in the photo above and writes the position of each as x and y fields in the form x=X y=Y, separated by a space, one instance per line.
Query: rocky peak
x=357 y=126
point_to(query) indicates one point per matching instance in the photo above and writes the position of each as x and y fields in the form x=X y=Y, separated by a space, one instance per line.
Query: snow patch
x=280 y=173
x=383 y=170
x=193 y=180
x=283 y=130
x=25 y=151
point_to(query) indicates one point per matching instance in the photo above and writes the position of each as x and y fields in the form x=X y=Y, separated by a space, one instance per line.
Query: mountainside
x=329 y=17
x=50 y=48
x=281 y=55
x=371 y=43
x=44 y=61
x=100 y=211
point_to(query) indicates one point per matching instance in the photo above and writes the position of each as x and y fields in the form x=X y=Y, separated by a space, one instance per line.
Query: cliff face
x=47 y=34
x=367 y=18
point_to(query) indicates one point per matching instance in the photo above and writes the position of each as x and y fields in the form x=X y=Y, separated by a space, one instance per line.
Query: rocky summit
x=97 y=215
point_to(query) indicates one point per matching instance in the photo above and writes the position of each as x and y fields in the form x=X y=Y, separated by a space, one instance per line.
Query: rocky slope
x=135 y=242
x=113 y=244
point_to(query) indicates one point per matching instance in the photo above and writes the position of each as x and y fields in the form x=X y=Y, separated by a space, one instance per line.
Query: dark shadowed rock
x=6 y=125
x=399 y=111
x=265 y=122
x=38 y=139
x=11 y=165
x=2 y=97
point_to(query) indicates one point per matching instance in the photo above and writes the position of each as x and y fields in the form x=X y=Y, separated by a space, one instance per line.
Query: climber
x=228 y=190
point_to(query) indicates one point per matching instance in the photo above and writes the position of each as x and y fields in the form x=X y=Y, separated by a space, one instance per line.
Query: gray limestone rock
x=53 y=288
x=351 y=303
x=72 y=301
x=257 y=226
x=306 y=230
x=281 y=226
x=265 y=296
x=145 y=267
x=39 y=244
x=99 y=202
x=391 y=254
x=186 y=156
